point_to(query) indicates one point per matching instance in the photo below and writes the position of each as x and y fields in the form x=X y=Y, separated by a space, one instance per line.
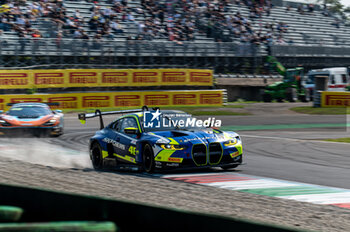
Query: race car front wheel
x=96 y=156
x=148 y=159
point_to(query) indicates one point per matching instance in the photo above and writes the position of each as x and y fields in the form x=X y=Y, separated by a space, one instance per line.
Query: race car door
x=114 y=147
x=128 y=140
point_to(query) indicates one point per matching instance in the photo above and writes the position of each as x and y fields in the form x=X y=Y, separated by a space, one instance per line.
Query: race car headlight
x=171 y=147
x=4 y=123
x=50 y=122
x=230 y=142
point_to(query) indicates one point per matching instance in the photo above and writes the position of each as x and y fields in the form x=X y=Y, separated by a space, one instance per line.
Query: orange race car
x=31 y=118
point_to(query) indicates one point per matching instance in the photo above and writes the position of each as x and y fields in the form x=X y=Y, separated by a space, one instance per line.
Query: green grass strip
x=78 y=226
x=291 y=191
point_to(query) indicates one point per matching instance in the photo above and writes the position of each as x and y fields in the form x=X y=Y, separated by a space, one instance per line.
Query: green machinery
x=290 y=89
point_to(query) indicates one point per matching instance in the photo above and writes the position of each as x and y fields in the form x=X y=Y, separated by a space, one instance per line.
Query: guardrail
x=74 y=47
x=317 y=51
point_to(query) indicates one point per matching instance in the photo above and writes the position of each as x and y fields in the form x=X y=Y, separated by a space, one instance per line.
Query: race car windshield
x=168 y=122
x=28 y=112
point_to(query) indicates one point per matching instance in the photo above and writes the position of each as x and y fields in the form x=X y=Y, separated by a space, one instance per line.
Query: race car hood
x=193 y=137
x=24 y=121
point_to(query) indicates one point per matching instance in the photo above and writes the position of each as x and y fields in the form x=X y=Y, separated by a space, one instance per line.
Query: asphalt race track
x=294 y=154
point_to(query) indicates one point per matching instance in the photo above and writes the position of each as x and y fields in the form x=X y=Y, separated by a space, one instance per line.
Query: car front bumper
x=25 y=131
x=190 y=164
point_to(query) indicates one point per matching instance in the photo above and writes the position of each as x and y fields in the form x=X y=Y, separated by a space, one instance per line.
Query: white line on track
x=324 y=198
x=250 y=184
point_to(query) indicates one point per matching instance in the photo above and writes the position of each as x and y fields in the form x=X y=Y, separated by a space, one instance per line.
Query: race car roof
x=29 y=104
x=33 y=104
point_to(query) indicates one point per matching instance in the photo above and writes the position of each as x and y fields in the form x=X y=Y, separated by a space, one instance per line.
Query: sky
x=346 y=3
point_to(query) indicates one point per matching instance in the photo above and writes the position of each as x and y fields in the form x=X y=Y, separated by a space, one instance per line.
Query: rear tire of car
x=96 y=156
x=148 y=159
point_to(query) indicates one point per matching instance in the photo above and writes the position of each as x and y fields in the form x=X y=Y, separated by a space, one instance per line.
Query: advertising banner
x=10 y=79
x=335 y=99
x=66 y=78
x=122 y=99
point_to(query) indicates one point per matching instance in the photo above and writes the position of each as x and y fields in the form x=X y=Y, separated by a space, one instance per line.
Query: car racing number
x=127 y=153
x=132 y=150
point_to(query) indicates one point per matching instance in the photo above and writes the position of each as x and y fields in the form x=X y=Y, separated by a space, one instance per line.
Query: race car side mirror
x=131 y=130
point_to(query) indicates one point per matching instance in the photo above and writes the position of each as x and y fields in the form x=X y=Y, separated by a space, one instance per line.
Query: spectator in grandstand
x=300 y=9
x=36 y=34
x=84 y=36
x=71 y=25
x=2 y=41
x=27 y=25
x=5 y=23
x=130 y=17
x=268 y=11
x=280 y=40
x=336 y=23
x=325 y=11
x=22 y=41
x=116 y=26
x=282 y=27
x=77 y=34
x=59 y=41
x=97 y=41
x=269 y=27
x=20 y=21
x=93 y=23
x=109 y=35
x=268 y=40
x=77 y=16
x=310 y=8
x=107 y=13
x=94 y=7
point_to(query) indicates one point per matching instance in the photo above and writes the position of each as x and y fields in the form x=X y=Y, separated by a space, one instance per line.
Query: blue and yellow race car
x=160 y=140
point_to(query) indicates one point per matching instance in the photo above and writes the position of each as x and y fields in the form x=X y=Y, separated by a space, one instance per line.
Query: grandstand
x=313 y=38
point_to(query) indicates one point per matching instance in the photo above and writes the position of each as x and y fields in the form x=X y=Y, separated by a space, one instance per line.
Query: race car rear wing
x=83 y=116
